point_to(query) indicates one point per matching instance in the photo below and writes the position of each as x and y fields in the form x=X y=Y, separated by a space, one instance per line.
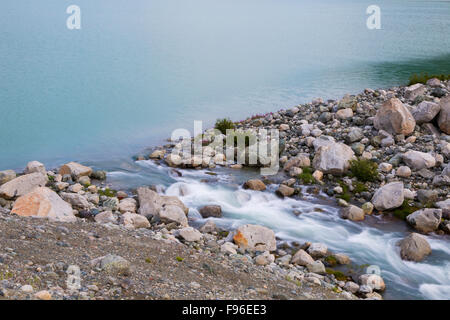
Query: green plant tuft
x=424 y=77
x=306 y=176
x=404 y=210
x=364 y=170
x=224 y=124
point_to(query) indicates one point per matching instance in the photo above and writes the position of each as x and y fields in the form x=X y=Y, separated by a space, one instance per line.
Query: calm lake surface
x=138 y=70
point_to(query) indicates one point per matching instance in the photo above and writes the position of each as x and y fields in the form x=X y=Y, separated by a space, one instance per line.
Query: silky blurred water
x=137 y=70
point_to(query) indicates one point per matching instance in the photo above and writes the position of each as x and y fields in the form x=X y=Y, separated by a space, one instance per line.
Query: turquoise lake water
x=137 y=70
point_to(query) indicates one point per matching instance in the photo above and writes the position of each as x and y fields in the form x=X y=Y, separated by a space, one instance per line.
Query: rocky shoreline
x=382 y=152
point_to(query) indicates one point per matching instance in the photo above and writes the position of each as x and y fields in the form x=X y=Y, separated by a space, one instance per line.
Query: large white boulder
x=22 y=185
x=44 y=202
x=389 y=196
x=417 y=160
x=333 y=158
x=255 y=237
x=394 y=118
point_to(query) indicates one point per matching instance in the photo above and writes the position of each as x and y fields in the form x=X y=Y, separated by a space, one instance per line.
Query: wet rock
x=390 y=196
x=285 y=191
x=44 y=203
x=99 y=175
x=317 y=250
x=22 y=185
x=75 y=170
x=425 y=220
x=302 y=258
x=414 y=247
x=211 y=211
x=255 y=237
x=255 y=184
x=367 y=208
x=341 y=258
x=111 y=203
x=208 y=227
x=353 y=213
x=333 y=159
x=374 y=281
x=157 y=154
x=394 y=118
x=151 y=203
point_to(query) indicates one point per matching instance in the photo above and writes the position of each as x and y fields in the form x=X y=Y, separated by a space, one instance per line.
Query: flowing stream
x=372 y=242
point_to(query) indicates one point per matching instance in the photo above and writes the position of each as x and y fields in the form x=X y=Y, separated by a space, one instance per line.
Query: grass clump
x=330 y=260
x=107 y=192
x=337 y=274
x=404 y=210
x=424 y=77
x=359 y=187
x=346 y=195
x=306 y=176
x=364 y=170
x=179 y=259
x=223 y=124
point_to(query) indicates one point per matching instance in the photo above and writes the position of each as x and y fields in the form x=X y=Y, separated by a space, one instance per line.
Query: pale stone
x=22 y=185
x=394 y=118
x=255 y=237
x=45 y=203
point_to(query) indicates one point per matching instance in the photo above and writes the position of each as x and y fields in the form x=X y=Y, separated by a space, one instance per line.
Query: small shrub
x=148 y=260
x=364 y=170
x=346 y=195
x=179 y=259
x=306 y=176
x=424 y=77
x=223 y=125
x=359 y=187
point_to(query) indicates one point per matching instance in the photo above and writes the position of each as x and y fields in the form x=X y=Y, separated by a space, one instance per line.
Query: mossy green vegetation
x=179 y=259
x=345 y=195
x=306 y=176
x=224 y=124
x=364 y=170
x=330 y=260
x=359 y=187
x=107 y=192
x=424 y=77
x=405 y=210
x=337 y=274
